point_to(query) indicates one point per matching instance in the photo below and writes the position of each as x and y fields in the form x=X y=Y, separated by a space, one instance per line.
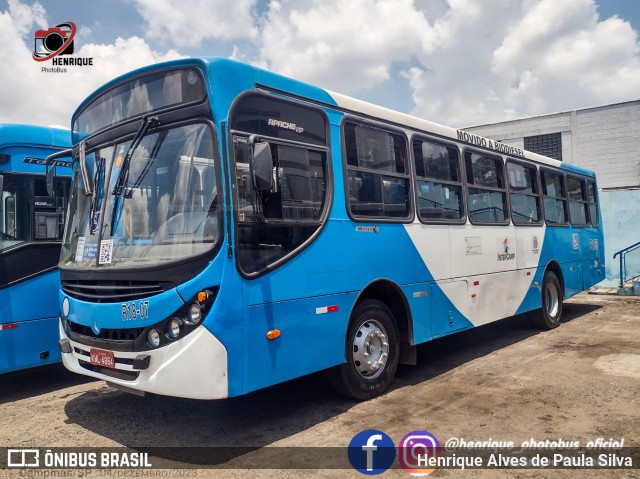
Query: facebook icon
x=371 y=452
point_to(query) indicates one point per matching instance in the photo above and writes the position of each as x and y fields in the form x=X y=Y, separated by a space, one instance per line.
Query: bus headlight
x=177 y=325
x=195 y=313
x=65 y=307
x=153 y=338
x=173 y=328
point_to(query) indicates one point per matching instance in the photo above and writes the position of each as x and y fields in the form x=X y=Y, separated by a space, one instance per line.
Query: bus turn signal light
x=273 y=334
x=202 y=296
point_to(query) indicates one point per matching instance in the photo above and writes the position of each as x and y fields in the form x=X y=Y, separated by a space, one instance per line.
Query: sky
x=455 y=62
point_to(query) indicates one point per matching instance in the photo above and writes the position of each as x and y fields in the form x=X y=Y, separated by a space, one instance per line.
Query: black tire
x=548 y=317
x=371 y=326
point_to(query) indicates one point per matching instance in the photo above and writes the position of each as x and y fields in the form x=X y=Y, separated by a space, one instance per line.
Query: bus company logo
x=504 y=246
x=418 y=453
x=23 y=458
x=55 y=42
x=371 y=452
x=285 y=125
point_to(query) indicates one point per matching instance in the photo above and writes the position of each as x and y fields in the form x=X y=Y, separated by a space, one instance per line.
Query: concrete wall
x=607 y=140
x=621 y=223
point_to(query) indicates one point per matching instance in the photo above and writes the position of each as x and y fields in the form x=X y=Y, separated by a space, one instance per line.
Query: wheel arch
x=392 y=296
x=555 y=268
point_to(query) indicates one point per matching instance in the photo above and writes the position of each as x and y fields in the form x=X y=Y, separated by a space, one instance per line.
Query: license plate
x=102 y=358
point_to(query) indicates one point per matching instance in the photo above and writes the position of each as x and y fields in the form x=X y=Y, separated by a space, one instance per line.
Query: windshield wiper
x=96 y=183
x=82 y=153
x=145 y=170
x=123 y=174
x=124 y=171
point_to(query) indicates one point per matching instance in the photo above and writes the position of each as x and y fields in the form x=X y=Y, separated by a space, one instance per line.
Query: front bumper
x=193 y=367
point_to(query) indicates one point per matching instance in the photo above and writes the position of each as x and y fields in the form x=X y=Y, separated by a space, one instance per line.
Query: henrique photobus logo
x=56 y=44
x=371 y=452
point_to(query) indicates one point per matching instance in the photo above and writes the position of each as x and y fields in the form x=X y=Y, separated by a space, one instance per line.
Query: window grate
x=549 y=145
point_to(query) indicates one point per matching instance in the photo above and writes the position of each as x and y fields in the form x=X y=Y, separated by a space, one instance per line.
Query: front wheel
x=371 y=352
x=548 y=317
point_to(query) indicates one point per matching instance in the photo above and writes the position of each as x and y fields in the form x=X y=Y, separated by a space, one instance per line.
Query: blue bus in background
x=230 y=229
x=31 y=227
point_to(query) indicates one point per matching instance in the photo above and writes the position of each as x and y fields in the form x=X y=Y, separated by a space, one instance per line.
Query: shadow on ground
x=444 y=354
x=36 y=381
x=269 y=415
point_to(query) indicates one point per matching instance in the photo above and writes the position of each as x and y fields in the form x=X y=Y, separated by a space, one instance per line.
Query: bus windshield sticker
x=473 y=245
x=80 y=249
x=106 y=250
x=90 y=250
x=506 y=249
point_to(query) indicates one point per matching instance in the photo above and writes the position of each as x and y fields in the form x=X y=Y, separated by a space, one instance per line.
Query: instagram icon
x=414 y=451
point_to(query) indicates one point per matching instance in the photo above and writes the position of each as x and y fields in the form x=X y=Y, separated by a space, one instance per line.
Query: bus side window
x=592 y=197
x=578 y=210
x=555 y=198
x=10 y=216
x=439 y=182
x=524 y=194
x=378 y=180
x=487 y=190
x=17 y=207
x=275 y=222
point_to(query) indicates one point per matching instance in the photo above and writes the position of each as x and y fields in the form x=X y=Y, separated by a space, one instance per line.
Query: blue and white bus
x=232 y=229
x=31 y=227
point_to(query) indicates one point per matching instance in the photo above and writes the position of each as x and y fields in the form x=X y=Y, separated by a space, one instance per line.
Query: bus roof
x=33 y=135
x=221 y=69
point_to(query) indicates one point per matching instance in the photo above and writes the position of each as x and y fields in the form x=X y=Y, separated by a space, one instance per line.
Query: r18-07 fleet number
x=133 y=310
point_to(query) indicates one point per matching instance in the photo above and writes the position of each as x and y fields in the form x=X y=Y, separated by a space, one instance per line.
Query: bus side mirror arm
x=261 y=163
x=49 y=179
x=50 y=165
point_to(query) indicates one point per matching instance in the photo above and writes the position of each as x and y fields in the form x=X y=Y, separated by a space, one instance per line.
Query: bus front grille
x=117 y=339
x=114 y=373
x=111 y=291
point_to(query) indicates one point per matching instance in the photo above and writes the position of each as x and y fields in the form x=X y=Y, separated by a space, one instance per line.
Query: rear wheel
x=548 y=317
x=371 y=352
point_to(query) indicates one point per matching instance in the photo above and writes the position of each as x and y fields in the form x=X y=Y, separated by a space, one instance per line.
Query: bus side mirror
x=49 y=180
x=261 y=166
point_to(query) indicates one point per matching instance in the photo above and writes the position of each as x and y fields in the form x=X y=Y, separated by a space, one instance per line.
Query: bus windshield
x=166 y=209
